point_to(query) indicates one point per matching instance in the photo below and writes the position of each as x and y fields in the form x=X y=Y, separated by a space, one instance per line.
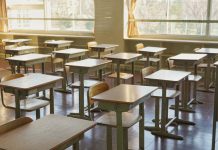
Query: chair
x=203 y=66
x=151 y=59
x=28 y=104
x=58 y=67
x=89 y=45
x=94 y=43
x=192 y=79
x=157 y=94
x=123 y=76
x=109 y=119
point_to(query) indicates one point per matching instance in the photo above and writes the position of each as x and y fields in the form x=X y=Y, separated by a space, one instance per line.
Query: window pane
x=28 y=13
x=26 y=25
x=171 y=9
x=171 y=28
x=150 y=9
x=69 y=25
x=187 y=9
x=55 y=9
x=70 y=9
x=214 y=29
x=25 y=9
x=21 y=2
x=214 y=10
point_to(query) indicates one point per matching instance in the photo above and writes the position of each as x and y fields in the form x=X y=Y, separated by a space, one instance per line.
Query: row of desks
x=32 y=83
x=124 y=102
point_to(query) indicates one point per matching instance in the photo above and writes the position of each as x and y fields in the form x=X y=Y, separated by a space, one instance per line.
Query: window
x=64 y=16
x=173 y=17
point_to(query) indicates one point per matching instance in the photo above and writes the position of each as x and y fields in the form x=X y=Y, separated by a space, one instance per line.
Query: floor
x=196 y=137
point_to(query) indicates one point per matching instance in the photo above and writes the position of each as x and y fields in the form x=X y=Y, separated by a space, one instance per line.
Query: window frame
x=45 y=30
x=206 y=36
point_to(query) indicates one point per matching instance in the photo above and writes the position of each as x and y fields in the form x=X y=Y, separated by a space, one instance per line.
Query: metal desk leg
x=207 y=83
x=120 y=141
x=109 y=138
x=81 y=95
x=76 y=146
x=51 y=101
x=25 y=69
x=64 y=89
x=99 y=54
x=195 y=101
x=100 y=74
x=148 y=61
x=133 y=72
x=125 y=138
x=34 y=70
x=81 y=113
x=141 y=127
x=17 y=102
x=157 y=118
x=164 y=117
x=13 y=70
x=18 y=68
x=42 y=68
x=118 y=73
x=184 y=106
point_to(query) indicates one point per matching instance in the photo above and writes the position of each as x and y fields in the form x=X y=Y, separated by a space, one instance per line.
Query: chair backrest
x=196 y=49
x=145 y=72
x=139 y=46
x=95 y=90
x=92 y=43
x=7 y=78
x=170 y=64
x=11 y=77
x=55 y=59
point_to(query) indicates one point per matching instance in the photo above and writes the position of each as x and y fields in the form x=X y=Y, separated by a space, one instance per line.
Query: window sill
x=47 y=35
x=174 y=40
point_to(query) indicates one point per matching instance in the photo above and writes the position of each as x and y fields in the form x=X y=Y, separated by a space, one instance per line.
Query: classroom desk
x=83 y=67
x=51 y=132
x=20 y=50
x=186 y=60
x=122 y=98
x=27 y=60
x=16 y=41
x=28 y=85
x=103 y=48
x=211 y=54
x=147 y=51
x=55 y=44
x=123 y=58
x=164 y=77
x=67 y=54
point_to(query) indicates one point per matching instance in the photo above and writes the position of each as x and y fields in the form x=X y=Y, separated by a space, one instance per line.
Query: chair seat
x=87 y=83
x=151 y=59
x=61 y=70
x=103 y=55
x=107 y=55
x=194 y=78
x=109 y=119
x=169 y=94
x=30 y=104
x=204 y=65
x=123 y=75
